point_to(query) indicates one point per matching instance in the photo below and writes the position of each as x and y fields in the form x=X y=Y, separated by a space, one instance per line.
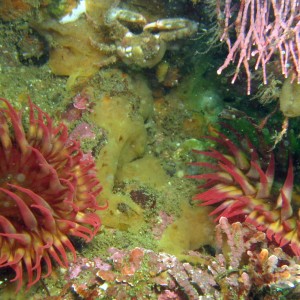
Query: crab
x=139 y=43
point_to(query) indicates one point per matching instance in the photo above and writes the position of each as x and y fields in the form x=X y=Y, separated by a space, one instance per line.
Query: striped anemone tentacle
x=239 y=186
x=48 y=193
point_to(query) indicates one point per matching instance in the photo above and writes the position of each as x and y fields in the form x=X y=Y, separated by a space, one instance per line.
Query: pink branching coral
x=261 y=29
x=242 y=190
x=47 y=193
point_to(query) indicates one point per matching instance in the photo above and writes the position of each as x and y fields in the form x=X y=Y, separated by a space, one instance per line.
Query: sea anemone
x=47 y=193
x=241 y=186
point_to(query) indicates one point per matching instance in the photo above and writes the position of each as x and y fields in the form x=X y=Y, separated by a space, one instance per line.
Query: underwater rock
x=33 y=49
x=14 y=9
x=71 y=53
x=290 y=98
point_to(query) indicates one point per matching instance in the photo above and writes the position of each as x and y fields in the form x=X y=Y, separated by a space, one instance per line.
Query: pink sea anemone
x=241 y=188
x=47 y=193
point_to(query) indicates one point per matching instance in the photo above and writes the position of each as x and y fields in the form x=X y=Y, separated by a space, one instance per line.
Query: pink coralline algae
x=82 y=101
x=262 y=29
x=136 y=272
x=82 y=131
x=246 y=269
x=163 y=222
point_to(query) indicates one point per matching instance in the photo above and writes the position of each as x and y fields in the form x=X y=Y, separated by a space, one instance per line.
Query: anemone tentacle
x=47 y=193
x=241 y=188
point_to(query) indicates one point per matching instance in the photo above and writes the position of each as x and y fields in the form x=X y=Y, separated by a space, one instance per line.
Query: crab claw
x=119 y=14
x=172 y=24
x=172 y=29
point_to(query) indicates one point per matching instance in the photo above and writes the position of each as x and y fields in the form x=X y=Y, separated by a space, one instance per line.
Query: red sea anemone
x=47 y=192
x=242 y=189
